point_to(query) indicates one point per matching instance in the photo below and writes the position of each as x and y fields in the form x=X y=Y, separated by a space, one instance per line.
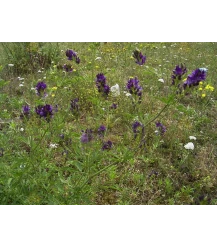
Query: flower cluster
x=140 y=58
x=67 y=68
x=195 y=77
x=74 y=105
x=107 y=145
x=206 y=89
x=86 y=136
x=72 y=54
x=101 y=130
x=135 y=127
x=25 y=111
x=178 y=72
x=133 y=87
x=40 y=88
x=101 y=84
x=45 y=111
x=161 y=127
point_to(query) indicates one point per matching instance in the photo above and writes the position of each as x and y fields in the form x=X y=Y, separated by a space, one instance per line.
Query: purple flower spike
x=135 y=127
x=107 y=145
x=178 y=72
x=140 y=58
x=26 y=110
x=70 y=54
x=133 y=87
x=101 y=130
x=40 y=87
x=195 y=77
x=161 y=127
x=67 y=68
x=74 y=105
x=45 y=111
x=100 y=78
x=101 y=84
x=87 y=136
x=113 y=106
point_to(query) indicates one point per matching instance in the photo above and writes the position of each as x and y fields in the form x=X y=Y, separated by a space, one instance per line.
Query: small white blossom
x=39 y=71
x=189 y=146
x=21 y=129
x=192 y=138
x=98 y=58
x=115 y=90
x=161 y=80
x=44 y=77
x=128 y=94
x=53 y=145
x=10 y=65
x=164 y=46
x=21 y=85
x=21 y=79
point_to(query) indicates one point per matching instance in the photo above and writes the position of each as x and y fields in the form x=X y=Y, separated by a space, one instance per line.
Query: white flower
x=10 y=65
x=192 y=138
x=20 y=78
x=164 y=46
x=44 y=77
x=21 y=85
x=189 y=146
x=161 y=80
x=115 y=90
x=39 y=71
x=21 y=129
x=128 y=94
x=98 y=58
x=53 y=145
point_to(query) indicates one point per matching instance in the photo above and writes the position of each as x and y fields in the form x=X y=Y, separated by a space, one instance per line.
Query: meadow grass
x=66 y=159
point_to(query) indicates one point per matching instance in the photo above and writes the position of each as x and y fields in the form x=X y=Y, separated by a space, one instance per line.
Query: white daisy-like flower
x=21 y=85
x=128 y=94
x=53 y=145
x=189 y=146
x=115 y=90
x=98 y=58
x=192 y=138
x=21 y=129
x=10 y=65
x=161 y=80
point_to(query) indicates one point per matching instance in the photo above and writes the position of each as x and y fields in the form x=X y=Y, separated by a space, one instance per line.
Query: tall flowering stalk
x=197 y=76
x=178 y=72
x=86 y=136
x=140 y=58
x=134 y=88
x=40 y=88
x=72 y=55
x=161 y=127
x=101 y=84
x=45 y=111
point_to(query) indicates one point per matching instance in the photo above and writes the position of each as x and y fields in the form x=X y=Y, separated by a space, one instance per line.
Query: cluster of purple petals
x=140 y=58
x=161 y=127
x=67 y=68
x=74 y=105
x=101 y=130
x=86 y=136
x=178 y=72
x=135 y=127
x=45 y=111
x=72 y=54
x=133 y=86
x=40 y=87
x=26 y=110
x=107 y=145
x=195 y=77
x=113 y=106
x=101 y=84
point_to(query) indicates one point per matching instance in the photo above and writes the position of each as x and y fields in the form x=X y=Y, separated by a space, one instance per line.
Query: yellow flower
x=55 y=66
x=201 y=83
x=200 y=88
x=89 y=62
x=211 y=88
x=54 y=88
x=74 y=70
x=203 y=95
x=97 y=66
x=53 y=95
x=131 y=57
x=184 y=79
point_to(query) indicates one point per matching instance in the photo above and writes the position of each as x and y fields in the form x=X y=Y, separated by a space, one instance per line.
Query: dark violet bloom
x=106 y=89
x=135 y=127
x=113 y=106
x=40 y=87
x=100 y=78
x=45 y=111
x=195 y=77
x=67 y=68
x=87 y=136
x=74 y=105
x=70 y=54
x=140 y=59
x=161 y=127
x=77 y=60
x=107 y=145
x=26 y=110
x=62 y=136
x=101 y=130
x=133 y=87
x=101 y=84
x=178 y=72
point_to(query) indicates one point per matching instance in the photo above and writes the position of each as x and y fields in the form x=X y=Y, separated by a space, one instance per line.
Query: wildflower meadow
x=102 y=123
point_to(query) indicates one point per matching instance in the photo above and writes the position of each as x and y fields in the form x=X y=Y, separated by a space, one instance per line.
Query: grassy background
x=161 y=172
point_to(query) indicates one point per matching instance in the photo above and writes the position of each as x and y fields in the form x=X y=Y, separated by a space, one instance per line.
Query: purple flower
x=77 y=60
x=26 y=110
x=161 y=127
x=74 y=105
x=107 y=145
x=40 y=87
x=195 y=77
x=70 y=54
x=140 y=59
x=67 y=68
x=45 y=111
x=135 y=127
x=101 y=84
x=101 y=130
x=133 y=87
x=113 y=106
x=178 y=72
x=87 y=136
